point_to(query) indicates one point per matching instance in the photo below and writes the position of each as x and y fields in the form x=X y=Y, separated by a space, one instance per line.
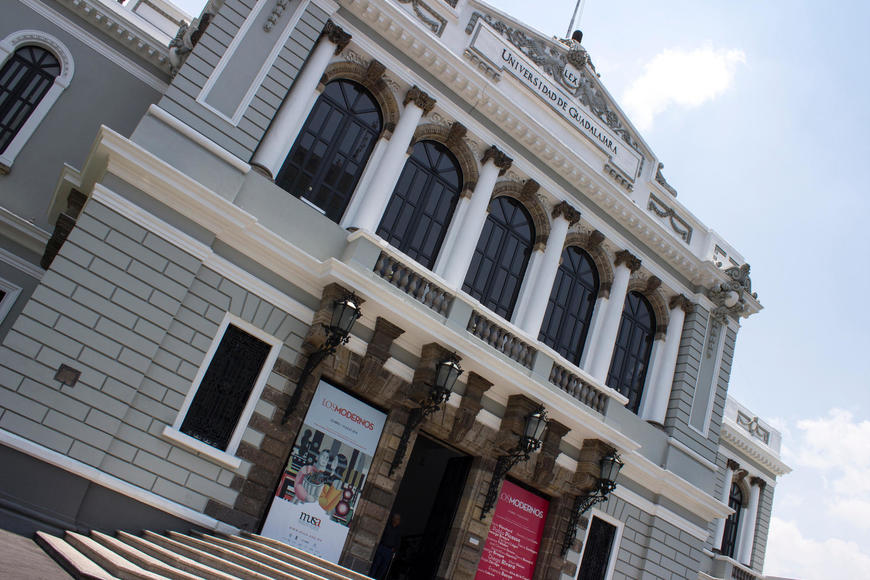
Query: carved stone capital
x=564 y=209
x=498 y=157
x=757 y=481
x=732 y=465
x=680 y=301
x=336 y=35
x=419 y=98
x=631 y=261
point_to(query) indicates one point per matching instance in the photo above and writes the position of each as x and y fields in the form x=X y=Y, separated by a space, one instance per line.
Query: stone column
x=371 y=209
x=656 y=399
x=747 y=532
x=453 y=265
x=532 y=315
x=730 y=467
x=625 y=264
x=279 y=139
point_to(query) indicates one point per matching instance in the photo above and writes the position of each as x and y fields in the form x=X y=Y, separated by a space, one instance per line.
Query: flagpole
x=577 y=8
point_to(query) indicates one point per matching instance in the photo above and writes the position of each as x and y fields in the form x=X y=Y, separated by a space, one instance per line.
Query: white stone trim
x=614 y=548
x=659 y=511
x=676 y=443
x=253 y=398
x=9 y=45
x=19 y=263
x=23 y=231
x=221 y=457
x=114 y=56
x=198 y=138
x=111 y=482
x=12 y=291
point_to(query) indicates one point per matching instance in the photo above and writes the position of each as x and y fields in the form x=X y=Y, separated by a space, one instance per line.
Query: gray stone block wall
x=242 y=139
x=135 y=315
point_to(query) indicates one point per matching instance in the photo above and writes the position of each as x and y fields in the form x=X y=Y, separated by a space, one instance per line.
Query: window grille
x=597 y=551
x=24 y=80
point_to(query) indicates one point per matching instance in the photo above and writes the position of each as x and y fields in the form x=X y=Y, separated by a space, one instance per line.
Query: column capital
x=416 y=95
x=336 y=35
x=732 y=465
x=680 y=301
x=564 y=209
x=757 y=481
x=498 y=157
x=631 y=261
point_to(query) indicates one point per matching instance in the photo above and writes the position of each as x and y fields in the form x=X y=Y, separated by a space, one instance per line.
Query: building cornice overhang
x=114 y=154
x=737 y=437
x=125 y=27
x=468 y=83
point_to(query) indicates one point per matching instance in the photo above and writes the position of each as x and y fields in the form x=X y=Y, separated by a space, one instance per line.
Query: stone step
x=112 y=562
x=70 y=559
x=237 y=558
x=304 y=570
x=208 y=558
x=278 y=549
x=142 y=559
x=174 y=559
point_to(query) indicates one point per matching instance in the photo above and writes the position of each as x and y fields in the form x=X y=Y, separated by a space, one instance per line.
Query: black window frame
x=25 y=78
x=631 y=353
x=333 y=147
x=565 y=327
x=422 y=204
x=597 y=549
x=732 y=522
x=506 y=242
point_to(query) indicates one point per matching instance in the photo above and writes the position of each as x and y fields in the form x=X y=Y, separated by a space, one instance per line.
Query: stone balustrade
x=413 y=284
x=581 y=390
x=502 y=340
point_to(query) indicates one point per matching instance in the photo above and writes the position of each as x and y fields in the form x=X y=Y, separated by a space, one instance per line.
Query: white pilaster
x=456 y=264
x=730 y=466
x=453 y=230
x=279 y=139
x=371 y=210
x=598 y=316
x=655 y=401
x=747 y=532
x=527 y=288
x=625 y=265
x=535 y=307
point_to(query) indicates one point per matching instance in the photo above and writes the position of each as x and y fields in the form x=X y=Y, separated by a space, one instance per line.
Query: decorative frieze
x=427 y=15
x=680 y=226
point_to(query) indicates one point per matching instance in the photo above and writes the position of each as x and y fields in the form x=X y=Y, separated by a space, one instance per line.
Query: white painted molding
x=19 y=263
x=11 y=292
x=677 y=444
x=735 y=435
x=198 y=138
x=111 y=482
x=215 y=455
x=23 y=231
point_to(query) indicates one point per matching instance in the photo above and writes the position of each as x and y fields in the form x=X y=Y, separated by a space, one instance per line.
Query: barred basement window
x=228 y=385
x=598 y=549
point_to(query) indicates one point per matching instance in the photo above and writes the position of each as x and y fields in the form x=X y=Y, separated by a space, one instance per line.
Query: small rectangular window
x=226 y=389
x=597 y=550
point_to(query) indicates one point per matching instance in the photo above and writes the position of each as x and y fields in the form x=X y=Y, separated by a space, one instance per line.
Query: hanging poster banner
x=515 y=535
x=323 y=479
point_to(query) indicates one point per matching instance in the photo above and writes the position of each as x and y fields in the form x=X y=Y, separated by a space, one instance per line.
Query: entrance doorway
x=427 y=501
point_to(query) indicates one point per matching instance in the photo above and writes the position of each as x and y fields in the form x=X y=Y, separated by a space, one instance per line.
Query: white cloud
x=790 y=554
x=685 y=78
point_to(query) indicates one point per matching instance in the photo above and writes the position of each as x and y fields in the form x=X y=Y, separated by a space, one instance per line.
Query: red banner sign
x=515 y=535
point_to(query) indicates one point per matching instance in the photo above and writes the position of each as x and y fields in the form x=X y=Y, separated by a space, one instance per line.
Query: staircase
x=192 y=556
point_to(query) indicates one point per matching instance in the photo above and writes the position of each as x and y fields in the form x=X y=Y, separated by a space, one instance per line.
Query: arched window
x=422 y=204
x=633 y=347
x=499 y=263
x=329 y=155
x=25 y=78
x=729 y=537
x=572 y=299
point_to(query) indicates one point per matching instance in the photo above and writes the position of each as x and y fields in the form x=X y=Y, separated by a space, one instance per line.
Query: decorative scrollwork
x=680 y=226
x=427 y=15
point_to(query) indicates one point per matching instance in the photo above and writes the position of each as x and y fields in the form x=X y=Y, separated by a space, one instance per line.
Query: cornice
x=469 y=83
x=737 y=437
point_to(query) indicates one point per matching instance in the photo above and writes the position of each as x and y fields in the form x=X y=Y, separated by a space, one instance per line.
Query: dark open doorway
x=427 y=500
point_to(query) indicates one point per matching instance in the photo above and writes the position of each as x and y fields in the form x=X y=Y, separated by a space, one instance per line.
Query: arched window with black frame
x=423 y=201
x=25 y=78
x=569 y=310
x=502 y=254
x=329 y=155
x=632 y=351
x=732 y=522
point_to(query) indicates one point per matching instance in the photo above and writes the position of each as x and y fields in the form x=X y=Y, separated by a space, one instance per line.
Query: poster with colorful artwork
x=324 y=477
x=514 y=538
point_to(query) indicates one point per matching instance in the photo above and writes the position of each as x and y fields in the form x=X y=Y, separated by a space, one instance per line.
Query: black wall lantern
x=533 y=433
x=446 y=373
x=610 y=466
x=345 y=312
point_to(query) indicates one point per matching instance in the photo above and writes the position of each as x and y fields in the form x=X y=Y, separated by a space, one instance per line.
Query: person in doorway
x=387 y=548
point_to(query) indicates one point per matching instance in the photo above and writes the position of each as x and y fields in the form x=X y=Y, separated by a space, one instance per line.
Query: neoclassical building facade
x=463 y=185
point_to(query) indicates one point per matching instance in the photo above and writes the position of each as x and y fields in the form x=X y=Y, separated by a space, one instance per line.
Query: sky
x=758 y=111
